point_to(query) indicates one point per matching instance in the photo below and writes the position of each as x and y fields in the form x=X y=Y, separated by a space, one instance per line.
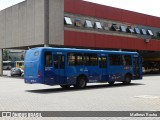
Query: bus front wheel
x=127 y=80
x=81 y=82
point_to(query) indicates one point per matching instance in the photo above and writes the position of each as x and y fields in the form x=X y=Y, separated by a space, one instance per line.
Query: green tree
x=22 y=57
x=5 y=55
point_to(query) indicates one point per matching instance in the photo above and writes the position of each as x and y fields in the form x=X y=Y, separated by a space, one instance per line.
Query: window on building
x=98 y=25
x=130 y=29
x=115 y=27
x=78 y=22
x=127 y=60
x=137 y=30
x=123 y=28
x=90 y=59
x=67 y=21
x=88 y=24
x=143 y=31
x=115 y=60
x=158 y=34
x=150 y=32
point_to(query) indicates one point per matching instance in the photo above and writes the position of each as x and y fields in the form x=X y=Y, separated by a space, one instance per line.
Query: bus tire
x=127 y=80
x=81 y=82
x=65 y=86
x=111 y=83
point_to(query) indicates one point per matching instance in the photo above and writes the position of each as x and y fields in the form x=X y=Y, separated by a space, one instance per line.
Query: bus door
x=91 y=67
x=59 y=69
x=103 y=68
x=48 y=72
x=115 y=67
x=136 y=67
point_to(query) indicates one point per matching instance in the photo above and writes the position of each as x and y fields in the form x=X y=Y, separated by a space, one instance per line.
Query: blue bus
x=69 y=66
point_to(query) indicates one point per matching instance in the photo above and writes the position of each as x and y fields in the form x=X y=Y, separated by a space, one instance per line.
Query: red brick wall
x=78 y=39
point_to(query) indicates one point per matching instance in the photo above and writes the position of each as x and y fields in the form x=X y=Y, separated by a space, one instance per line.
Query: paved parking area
x=142 y=95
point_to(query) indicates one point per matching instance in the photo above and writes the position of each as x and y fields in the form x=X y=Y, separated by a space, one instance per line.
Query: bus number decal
x=83 y=70
x=59 y=53
x=48 y=68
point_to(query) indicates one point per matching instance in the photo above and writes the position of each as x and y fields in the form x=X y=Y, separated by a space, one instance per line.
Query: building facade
x=79 y=24
x=110 y=27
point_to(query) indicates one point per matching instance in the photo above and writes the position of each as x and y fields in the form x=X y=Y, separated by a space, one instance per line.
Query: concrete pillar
x=46 y=45
x=1 y=62
x=46 y=28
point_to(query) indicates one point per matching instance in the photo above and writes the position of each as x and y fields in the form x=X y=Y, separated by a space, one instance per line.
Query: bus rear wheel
x=127 y=80
x=81 y=83
x=111 y=83
x=65 y=86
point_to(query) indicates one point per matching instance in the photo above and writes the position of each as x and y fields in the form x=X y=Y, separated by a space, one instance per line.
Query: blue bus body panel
x=32 y=65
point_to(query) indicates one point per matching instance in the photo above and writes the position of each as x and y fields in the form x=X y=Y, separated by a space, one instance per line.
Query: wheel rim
x=82 y=83
x=128 y=80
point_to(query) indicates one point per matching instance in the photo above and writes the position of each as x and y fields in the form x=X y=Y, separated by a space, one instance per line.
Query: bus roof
x=81 y=50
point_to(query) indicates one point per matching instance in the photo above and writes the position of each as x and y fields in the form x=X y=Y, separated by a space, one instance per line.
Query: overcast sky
x=151 y=7
x=7 y=3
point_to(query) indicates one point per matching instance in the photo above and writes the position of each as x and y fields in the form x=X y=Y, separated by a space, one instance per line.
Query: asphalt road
x=141 y=95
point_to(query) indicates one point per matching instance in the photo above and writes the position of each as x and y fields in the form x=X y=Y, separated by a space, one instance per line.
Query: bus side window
x=90 y=59
x=62 y=62
x=115 y=60
x=127 y=60
x=48 y=59
x=56 y=61
x=75 y=59
x=79 y=59
x=86 y=59
x=103 y=62
x=93 y=59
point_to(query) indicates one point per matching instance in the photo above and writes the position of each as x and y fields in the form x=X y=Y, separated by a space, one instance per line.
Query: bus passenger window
x=48 y=59
x=86 y=59
x=93 y=60
x=56 y=62
x=103 y=62
x=115 y=60
x=90 y=59
x=127 y=60
x=62 y=62
x=75 y=59
x=79 y=59
x=71 y=59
